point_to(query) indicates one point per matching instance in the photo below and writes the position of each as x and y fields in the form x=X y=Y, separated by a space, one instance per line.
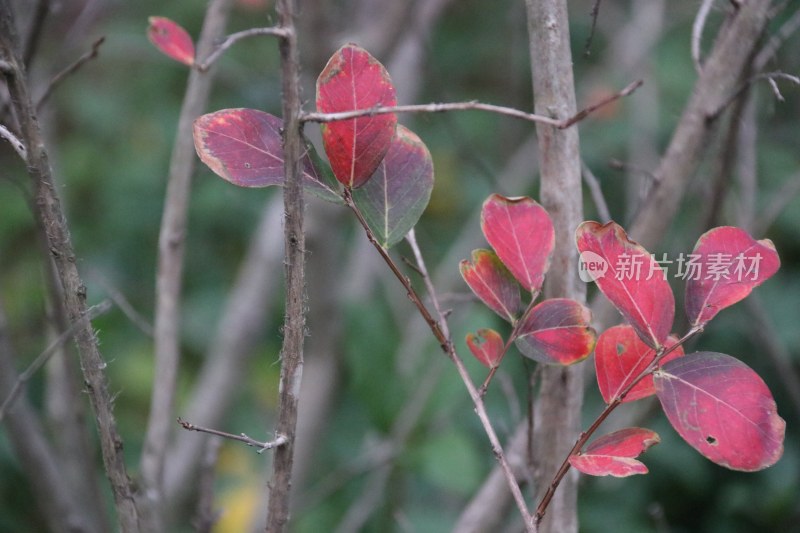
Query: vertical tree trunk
x=558 y=405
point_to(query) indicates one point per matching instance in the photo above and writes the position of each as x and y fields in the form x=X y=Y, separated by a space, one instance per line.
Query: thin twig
x=777 y=40
x=777 y=203
x=232 y=39
x=91 y=313
x=597 y=192
x=124 y=305
x=279 y=440
x=697 y=32
x=71 y=69
x=16 y=144
x=615 y=402
x=470 y=106
x=438 y=330
x=769 y=76
x=593 y=14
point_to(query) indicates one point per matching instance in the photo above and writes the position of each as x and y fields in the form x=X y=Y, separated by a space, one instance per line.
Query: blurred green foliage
x=111 y=128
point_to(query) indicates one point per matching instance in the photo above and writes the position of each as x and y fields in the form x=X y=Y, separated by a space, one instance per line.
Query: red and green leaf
x=394 y=198
x=730 y=264
x=619 y=357
x=614 y=454
x=521 y=232
x=723 y=409
x=487 y=346
x=354 y=80
x=633 y=281
x=557 y=331
x=491 y=281
x=171 y=39
x=244 y=147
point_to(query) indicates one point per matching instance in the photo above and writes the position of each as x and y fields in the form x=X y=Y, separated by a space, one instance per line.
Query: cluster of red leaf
x=716 y=403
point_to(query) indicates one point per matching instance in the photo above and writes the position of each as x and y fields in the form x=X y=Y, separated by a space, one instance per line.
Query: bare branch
x=91 y=313
x=234 y=38
x=777 y=204
x=470 y=106
x=16 y=144
x=777 y=40
x=769 y=76
x=171 y=246
x=71 y=69
x=122 y=303
x=697 y=32
x=280 y=440
x=597 y=192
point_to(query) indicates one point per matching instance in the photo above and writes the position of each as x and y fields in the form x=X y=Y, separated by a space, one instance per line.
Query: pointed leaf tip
x=629 y=277
x=723 y=409
x=171 y=39
x=521 y=233
x=725 y=266
x=354 y=80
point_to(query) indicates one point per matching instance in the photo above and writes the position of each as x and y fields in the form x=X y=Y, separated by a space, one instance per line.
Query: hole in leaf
x=711 y=440
x=247 y=165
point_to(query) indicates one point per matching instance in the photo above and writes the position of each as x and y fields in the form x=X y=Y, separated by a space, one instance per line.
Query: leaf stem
x=441 y=333
x=662 y=352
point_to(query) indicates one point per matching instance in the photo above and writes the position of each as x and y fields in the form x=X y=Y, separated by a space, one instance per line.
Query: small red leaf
x=613 y=454
x=630 y=278
x=487 y=346
x=521 y=232
x=557 y=331
x=171 y=39
x=394 y=198
x=723 y=409
x=245 y=147
x=353 y=80
x=725 y=266
x=619 y=357
x=491 y=281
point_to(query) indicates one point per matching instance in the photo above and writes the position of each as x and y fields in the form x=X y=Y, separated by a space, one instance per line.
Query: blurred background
x=388 y=439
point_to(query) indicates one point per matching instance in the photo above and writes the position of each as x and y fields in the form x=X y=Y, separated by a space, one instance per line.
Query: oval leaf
x=557 y=331
x=354 y=80
x=629 y=277
x=397 y=194
x=619 y=357
x=245 y=147
x=171 y=39
x=613 y=454
x=725 y=266
x=723 y=409
x=521 y=232
x=487 y=346
x=491 y=281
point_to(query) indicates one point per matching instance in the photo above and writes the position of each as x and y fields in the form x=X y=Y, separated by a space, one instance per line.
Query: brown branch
x=697 y=32
x=613 y=404
x=769 y=76
x=557 y=408
x=279 y=440
x=234 y=38
x=51 y=217
x=71 y=69
x=438 y=329
x=171 y=246
x=470 y=106
x=294 y=326
x=91 y=313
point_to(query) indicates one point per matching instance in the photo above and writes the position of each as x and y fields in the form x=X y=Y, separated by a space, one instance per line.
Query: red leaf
x=557 y=331
x=521 y=232
x=619 y=357
x=171 y=39
x=397 y=194
x=613 y=454
x=487 y=346
x=244 y=147
x=730 y=264
x=353 y=80
x=491 y=281
x=631 y=279
x=722 y=409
